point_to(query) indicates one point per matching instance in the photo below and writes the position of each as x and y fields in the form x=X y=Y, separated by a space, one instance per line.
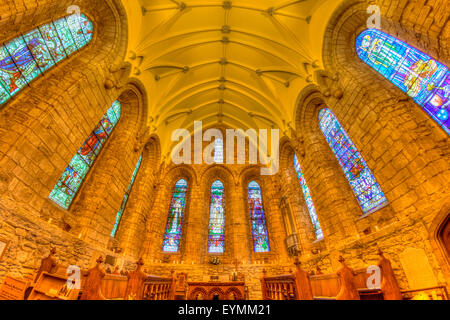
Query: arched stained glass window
x=364 y=185
x=424 y=79
x=216 y=238
x=218 y=150
x=257 y=218
x=125 y=198
x=172 y=237
x=72 y=178
x=30 y=55
x=308 y=199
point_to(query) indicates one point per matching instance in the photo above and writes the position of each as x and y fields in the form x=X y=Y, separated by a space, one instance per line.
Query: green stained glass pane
x=65 y=36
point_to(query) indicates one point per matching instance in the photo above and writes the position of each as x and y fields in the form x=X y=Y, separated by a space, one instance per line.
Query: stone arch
x=237 y=294
x=326 y=181
x=196 y=292
x=110 y=175
x=270 y=188
x=292 y=202
x=68 y=100
x=438 y=226
x=157 y=218
x=131 y=232
x=393 y=134
x=216 y=291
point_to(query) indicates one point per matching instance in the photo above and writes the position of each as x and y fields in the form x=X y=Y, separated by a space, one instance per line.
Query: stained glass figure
x=216 y=238
x=172 y=236
x=218 y=150
x=125 y=198
x=363 y=183
x=424 y=79
x=308 y=200
x=30 y=55
x=72 y=178
x=257 y=218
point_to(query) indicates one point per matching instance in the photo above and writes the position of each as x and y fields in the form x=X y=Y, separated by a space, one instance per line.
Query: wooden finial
x=53 y=251
x=100 y=260
x=341 y=259
x=140 y=262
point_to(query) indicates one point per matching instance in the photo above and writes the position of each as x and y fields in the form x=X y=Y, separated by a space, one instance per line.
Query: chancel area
x=224 y=150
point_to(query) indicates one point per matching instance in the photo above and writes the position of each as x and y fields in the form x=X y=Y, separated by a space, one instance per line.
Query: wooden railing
x=159 y=288
x=280 y=287
x=294 y=286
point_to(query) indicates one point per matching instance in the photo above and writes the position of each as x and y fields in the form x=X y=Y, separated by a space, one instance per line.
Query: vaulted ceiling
x=238 y=63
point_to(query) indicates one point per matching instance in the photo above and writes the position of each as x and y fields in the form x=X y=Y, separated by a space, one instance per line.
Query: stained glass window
x=30 y=55
x=172 y=237
x=257 y=218
x=216 y=238
x=364 y=185
x=218 y=150
x=125 y=198
x=424 y=79
x=308 y=199
x=72 y=178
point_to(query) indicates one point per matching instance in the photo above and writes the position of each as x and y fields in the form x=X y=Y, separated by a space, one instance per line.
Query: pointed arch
x=71 y=180
x=216 y=238
x=172 y=236
x=363 y=183
x=126 y=197
x=29 y=56
x=308 y=199
x=257 y=218
x=424 y=79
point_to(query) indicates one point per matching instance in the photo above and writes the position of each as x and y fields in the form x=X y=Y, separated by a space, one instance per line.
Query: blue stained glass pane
x=424 y=79
x=23 y=59
x=172 y=236
x=125 y=198
x=308 y=199
x=364 y=185
x=10 y=76
x=72 y=178
x=39 y=50
x=257 y=218
x=65 y=36
x=216 y=238
x=26 y=57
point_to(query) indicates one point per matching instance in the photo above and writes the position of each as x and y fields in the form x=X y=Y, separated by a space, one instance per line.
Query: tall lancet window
x=172 y=237
x=364 y=185
x=257 y=218
x=218 y=150
x=308 y=200
x=125 y=198
x=30 y=55
x=424 y=79
x=216 y=240
x=72 y=178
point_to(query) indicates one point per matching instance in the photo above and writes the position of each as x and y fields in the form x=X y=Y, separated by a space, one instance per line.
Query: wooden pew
x=113 y=287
